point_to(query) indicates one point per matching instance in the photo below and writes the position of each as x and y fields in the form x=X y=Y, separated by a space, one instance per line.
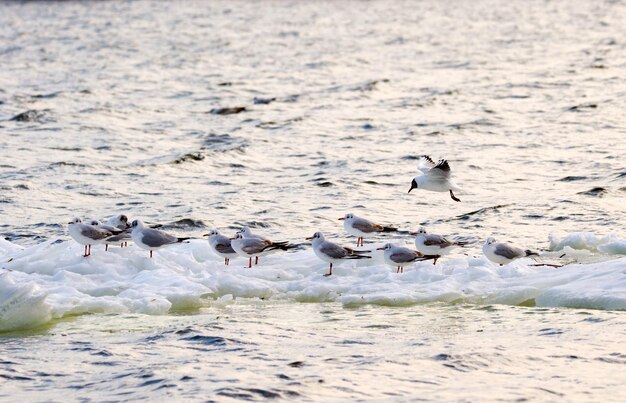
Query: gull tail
x=531 y=253
x=427 y=257
x=357 y=257
x=282 y=245
x=389 y=229
x=179 y=240
x=462 y=243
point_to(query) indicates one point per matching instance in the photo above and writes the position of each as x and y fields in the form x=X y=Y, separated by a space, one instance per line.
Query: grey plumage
x=509 y=252
x=436 y=240
x=339 y=252
x=155 y=238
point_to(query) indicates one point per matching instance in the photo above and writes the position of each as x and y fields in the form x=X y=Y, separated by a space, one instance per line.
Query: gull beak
x=413 y=233
x=70 y=223
x=309 y=238
x=413 y=185
x=232 y=238
x=342 y=218
x=380 y=248
x=205 y=235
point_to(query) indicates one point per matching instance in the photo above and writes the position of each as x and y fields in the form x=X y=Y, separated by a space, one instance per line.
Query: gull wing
x=425 y=164
x=155 y=238
x=404 y=256
x=509 y=252
x=366 y=226
x=442 y=170
x=223 y=247
x=255 y=245
x=94 y=233
x=334 y=251
x=436 y=240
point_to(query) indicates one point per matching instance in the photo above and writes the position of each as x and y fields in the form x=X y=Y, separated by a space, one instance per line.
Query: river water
x=285 y=116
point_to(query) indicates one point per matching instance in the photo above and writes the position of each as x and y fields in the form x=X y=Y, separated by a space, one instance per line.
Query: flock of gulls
x=434 y=177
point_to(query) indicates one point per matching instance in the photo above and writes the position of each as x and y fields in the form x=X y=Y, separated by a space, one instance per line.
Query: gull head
x=245 y=231
x=348 y=216
x=317 y=237
x=490 y=241
x=211 y=233
x=238 y=235
x=137 y=224
x=413 y=185
x=95 y=223
x=421 y=231
x=75 y=220
x=387 y=246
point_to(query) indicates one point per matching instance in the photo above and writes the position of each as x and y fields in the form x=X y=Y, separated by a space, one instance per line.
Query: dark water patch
x=187 y=378
x=46 y=96
x=479 y=212
x=103 y=353
x=594 y=319
x=371 y=182
x=577 y=108
x=206 y=340
x=186 y=330
x=263 y=101
x=15 y=377
x=550 y=332
x=194 y=156
x=150 y=382
x=223 y=142
x=533 y=216
x=66 y=164
x=37 y=116
x=325 y=184
x=217 y=183
x=320 y=208
x=572 y=178
x=597 y=191
x=106 y=363
x=367 y=126
x=355 y=342
x=369 y=85
x=228 y=110
x=552 y=392
x=297 y=364
x=65 y=148
x=185 y=223
x=379 y=327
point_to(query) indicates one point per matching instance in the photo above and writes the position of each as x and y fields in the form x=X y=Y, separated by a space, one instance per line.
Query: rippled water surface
x=285 y=116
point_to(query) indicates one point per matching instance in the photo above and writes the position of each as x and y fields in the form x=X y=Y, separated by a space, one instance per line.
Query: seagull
x=431 y=244
x=88 y=235
x=399 y=256
x=246 y=232
x=331 y=252
x=360 y=227
x=221 y=245
x=435 y=177
x=255 y=247
x=502 y=253
x=121 y=222
x=121 y=233
x=150 y=238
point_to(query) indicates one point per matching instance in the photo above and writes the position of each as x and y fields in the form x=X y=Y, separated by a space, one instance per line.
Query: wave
x=52 y=280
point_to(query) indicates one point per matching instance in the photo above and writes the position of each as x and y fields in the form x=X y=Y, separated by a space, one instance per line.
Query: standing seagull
x=246 y=232
x=398 y=256
x=432 y=244
x=88 y=234
x=152 y=239
x=120 y=222
x=255 y=247
x=221 y=245
x=121 y=233
x=360 y=227
x=502 y=253
x=331 y=252
x=435 y=177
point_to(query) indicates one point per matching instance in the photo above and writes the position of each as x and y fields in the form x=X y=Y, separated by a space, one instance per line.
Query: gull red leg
x=456 y=199
x=85 y=254
x=151 y=254
x=330 y=271
x=256 y=260
x=250 y=263
x=435 y=260
x=88 y=250
x=106 y=247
